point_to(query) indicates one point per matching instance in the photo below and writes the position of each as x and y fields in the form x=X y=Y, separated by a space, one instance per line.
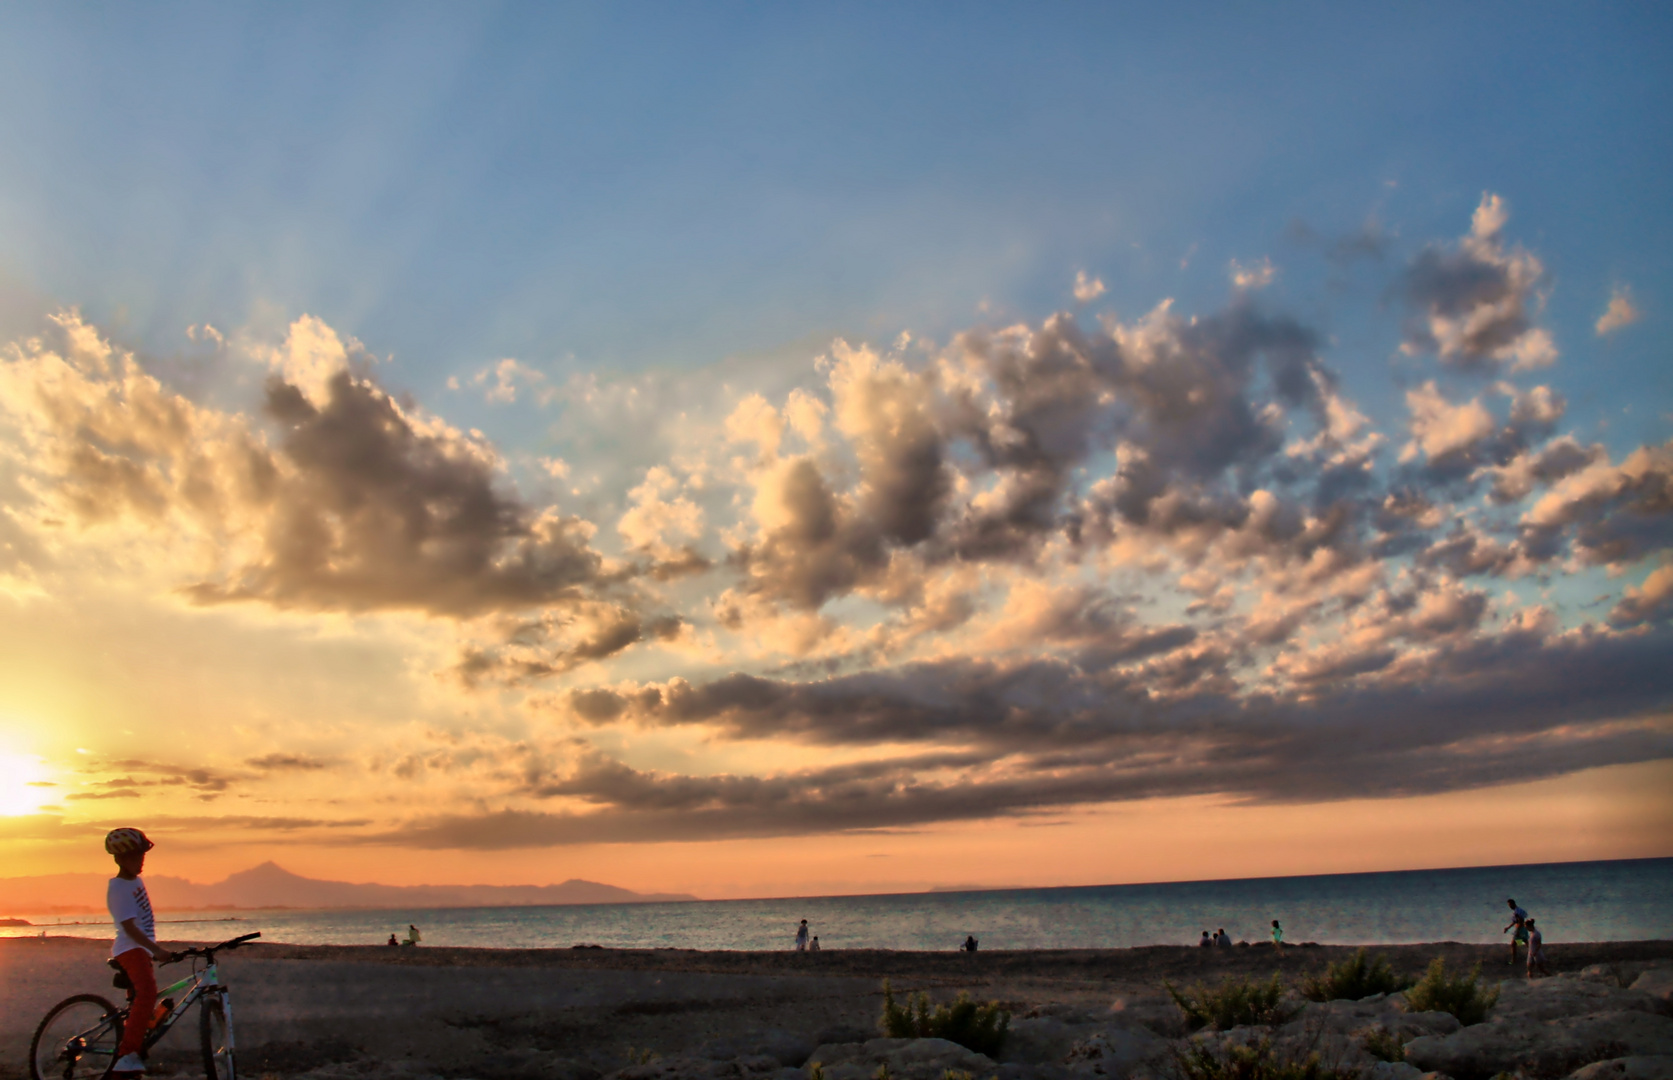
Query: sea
x=1625 y=900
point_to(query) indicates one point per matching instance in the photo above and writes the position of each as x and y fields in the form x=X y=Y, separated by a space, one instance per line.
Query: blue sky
x=730 y=329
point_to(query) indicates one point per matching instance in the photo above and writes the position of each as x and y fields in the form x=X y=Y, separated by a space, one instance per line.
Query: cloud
x=1087 y=289
x=1620 y=313
x=1650 y=602
x=1473 y=303
x=1257 y=275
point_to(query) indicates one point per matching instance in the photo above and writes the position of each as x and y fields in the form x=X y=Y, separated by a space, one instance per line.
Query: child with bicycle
x=136 y=945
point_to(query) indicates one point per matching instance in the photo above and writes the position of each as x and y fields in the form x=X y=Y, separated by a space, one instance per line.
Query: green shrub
x=1357 y=977
x=1258 y=1062
x=974 y=1026
x=1232 y=1003
x=1460 y=995
x=1383 y=1044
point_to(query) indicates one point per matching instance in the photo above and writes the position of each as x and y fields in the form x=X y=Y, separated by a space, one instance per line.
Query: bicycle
x=77 y=1039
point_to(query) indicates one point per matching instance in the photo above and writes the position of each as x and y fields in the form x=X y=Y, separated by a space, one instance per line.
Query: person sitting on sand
x=135 y=946
x=1277 y=935
x=1536 y=951
x=413 y=936
x=1222 y=939
x=813 y=946
x=801 y=937
x=969 y=943
x=1518 y=920
x=1206 y=942
x=392 y=940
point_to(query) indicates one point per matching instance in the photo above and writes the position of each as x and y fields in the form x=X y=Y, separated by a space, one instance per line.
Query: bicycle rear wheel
x=76 y=1040
x=215 y=1035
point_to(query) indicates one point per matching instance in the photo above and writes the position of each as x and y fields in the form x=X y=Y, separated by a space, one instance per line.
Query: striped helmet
x=122 y=841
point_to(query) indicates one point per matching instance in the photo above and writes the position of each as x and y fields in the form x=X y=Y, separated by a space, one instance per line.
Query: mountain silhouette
x=270 y=885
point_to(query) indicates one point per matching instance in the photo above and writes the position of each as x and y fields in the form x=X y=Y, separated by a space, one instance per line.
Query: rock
x=1658 y=983
x=1549 y=999
x=907 y=1059
x=1158 y=1013
x=678 y=1067
x=783 y=1047
x=1656 y=1067
x=1603 y=973
x=1392 y=1070
x=1114 y=1051
x=843 y=1033
x=1541 y=1048
x=1041 y=1039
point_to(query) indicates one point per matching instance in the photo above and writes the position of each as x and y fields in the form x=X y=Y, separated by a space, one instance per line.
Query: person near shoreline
x=801 y=937
x=1277 y=936
x=1206 y=942
x=969 y=943
x=1519 y=921
x=1222 y=939
x=392 y=940
x=813 y=946
x=1536 y=951
x=135 y=946
x=413 y=936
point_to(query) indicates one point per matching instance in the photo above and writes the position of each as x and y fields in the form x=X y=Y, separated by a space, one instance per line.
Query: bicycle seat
x=121 y=980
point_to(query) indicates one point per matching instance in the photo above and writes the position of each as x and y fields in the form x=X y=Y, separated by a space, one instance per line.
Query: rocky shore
x=328 y=1013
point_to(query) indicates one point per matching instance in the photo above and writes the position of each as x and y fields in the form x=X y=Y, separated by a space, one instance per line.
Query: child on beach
x=1519 y=920
x=801 y=937
x=1277 y=935
x=1536 y=951
x=135 y=946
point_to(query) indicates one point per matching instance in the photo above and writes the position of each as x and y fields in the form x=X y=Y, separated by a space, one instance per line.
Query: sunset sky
x=786 y=449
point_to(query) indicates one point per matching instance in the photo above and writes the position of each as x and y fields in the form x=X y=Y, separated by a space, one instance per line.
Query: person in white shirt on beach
x=801 y=937
x=1536 y=951
x=135 y=946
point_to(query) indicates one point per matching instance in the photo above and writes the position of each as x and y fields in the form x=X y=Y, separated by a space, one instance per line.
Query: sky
x=763 y=450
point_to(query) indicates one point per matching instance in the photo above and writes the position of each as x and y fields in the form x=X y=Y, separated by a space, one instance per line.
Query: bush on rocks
x=1199 y=1061
x=1234 y=1003
x=1461 y=995
x=974 y=1026
x=1357 y=977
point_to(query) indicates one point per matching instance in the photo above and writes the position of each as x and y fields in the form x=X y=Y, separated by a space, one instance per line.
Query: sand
x=461 y=1012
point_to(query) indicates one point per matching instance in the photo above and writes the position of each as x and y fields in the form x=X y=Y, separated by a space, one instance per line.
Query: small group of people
x=1222 y=940
x=803 y=942
x=413 y=937
x=1523 y=931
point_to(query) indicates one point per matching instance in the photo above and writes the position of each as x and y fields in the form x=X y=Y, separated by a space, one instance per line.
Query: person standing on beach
x=135 y=946
x=1536 y=951
x=1519 y=920
x=1277 y=936
x=801 y=937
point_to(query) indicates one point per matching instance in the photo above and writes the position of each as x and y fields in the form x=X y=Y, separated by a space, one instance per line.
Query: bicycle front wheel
x=215 y=1032
x=77 y=1040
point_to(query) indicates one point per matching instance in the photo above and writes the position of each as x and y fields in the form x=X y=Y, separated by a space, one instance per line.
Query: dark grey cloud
x=1515 y=706
x=371 y=511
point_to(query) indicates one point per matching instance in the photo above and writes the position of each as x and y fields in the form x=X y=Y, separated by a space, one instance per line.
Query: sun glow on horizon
x=24 y=787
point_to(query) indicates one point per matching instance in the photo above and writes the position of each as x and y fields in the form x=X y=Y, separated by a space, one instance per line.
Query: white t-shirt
x=128 y=900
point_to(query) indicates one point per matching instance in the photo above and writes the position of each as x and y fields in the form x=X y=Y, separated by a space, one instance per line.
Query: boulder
x=784 y=1048
x=1392 y=1070
x=1550 y=999
x=1547 y=1048
x=1603 y=973
x=1115 y=1050
x=1038 y=1040
x=678 y=1067
x=1658 y=983
x=842 y=1033
x=1657 y=1067
x=907 y=1059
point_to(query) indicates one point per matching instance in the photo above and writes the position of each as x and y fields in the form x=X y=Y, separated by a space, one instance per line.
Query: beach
x=491 y=1013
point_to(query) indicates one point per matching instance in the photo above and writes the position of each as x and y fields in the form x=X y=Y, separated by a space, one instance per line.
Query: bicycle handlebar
x=211 y=950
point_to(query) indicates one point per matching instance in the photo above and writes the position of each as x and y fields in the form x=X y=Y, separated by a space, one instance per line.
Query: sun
x=23 y=779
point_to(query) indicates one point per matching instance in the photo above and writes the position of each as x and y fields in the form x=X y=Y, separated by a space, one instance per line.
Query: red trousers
x=143 y=1004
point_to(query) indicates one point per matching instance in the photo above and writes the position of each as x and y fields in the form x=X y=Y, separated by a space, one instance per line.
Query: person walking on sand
x=801 y=937
x=1277 y=936
x=1536 y=951
x=135 y=946
x=1518 y=921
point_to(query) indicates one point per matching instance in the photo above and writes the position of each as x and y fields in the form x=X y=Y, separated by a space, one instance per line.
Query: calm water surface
x=1599 y=901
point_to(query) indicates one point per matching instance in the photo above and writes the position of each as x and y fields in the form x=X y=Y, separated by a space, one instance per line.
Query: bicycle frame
x=201 y=984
